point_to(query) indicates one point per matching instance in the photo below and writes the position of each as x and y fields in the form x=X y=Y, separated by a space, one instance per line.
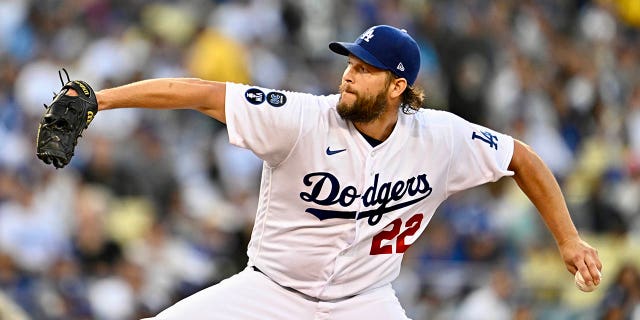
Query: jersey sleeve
x=269 y=122
x=479 y=155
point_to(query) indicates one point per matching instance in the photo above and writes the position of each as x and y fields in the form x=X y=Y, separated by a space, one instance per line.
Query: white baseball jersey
x=335 y=214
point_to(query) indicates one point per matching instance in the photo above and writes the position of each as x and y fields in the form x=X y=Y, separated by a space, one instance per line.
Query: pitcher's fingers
x=598 y=262
x=584 y=271
x=594 y=271
x=595 y=265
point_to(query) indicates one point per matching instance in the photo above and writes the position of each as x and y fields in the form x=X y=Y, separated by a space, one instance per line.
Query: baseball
x=580 y=283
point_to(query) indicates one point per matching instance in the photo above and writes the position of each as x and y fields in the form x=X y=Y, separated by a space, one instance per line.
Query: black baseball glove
x=63 y=122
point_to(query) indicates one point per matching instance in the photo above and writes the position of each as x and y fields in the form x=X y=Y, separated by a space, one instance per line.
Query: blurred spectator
x=94 y=250
x=112 y=298
x=170 y=265
x=622 y=299
x=490 y=301
x=66 y=291
x=106 y=168
x=218 y=57
x=31 y=232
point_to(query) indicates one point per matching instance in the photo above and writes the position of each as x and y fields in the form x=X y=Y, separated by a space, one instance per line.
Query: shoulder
x=434 y=118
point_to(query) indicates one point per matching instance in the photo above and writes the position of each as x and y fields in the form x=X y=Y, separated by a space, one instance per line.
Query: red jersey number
x=411 y=227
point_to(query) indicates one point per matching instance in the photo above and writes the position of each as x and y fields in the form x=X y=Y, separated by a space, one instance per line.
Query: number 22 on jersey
x=399 y=232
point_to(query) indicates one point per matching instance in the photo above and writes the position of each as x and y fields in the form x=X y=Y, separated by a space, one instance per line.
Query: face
x=363 y=91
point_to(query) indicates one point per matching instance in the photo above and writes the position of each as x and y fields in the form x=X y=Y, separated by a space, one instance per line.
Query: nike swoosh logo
x=332 y=152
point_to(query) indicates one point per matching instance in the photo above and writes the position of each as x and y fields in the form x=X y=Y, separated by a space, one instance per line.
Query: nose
x=347 y=76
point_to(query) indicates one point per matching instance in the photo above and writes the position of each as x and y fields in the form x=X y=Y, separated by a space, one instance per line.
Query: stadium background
x=157 y=205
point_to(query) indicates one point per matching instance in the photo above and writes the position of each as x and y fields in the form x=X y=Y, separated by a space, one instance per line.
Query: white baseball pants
x=251 y=295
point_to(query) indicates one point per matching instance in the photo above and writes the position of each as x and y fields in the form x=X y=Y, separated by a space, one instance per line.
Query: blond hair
x=412 y=97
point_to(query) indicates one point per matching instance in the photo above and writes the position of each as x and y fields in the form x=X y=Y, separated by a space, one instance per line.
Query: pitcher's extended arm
x=207 y=97
x=538 y=183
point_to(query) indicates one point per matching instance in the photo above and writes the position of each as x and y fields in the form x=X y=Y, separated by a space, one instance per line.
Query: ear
x=397 y=87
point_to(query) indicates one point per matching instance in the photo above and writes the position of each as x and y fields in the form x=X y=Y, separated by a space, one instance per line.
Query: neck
x=381 y=128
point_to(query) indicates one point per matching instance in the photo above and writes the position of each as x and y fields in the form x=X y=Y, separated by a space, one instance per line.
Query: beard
x=363 y=109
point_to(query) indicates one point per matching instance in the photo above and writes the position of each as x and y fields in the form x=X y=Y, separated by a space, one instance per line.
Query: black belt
x=305 y=296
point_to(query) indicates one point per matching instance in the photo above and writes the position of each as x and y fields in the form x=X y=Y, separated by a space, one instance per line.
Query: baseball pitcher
x=349 y=182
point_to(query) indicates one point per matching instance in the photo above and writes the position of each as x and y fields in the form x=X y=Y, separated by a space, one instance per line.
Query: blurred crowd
x=157 y=205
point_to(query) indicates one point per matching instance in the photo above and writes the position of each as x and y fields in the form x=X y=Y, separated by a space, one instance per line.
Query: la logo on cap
x=367 y=35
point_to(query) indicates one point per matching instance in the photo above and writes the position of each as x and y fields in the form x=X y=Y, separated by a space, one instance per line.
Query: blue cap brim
x=346 y=48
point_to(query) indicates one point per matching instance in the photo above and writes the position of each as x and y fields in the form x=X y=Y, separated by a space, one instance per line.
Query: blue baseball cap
x=385 y=47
